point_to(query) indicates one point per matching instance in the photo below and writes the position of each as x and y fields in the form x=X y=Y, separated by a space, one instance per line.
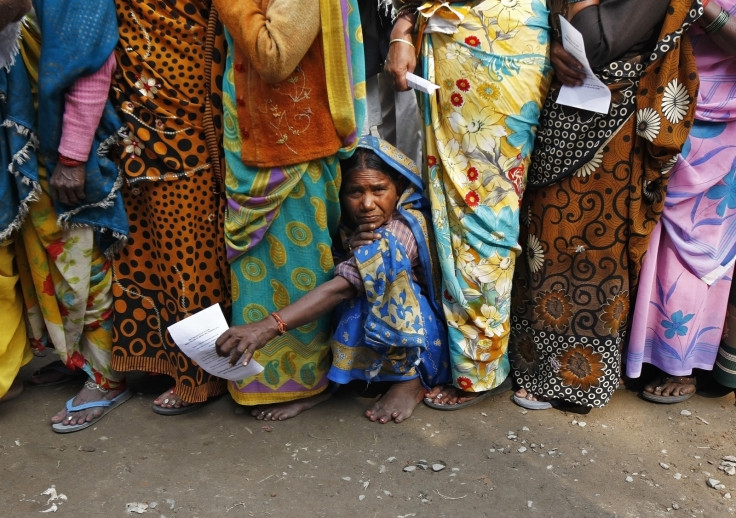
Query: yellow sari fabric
x=14 y=350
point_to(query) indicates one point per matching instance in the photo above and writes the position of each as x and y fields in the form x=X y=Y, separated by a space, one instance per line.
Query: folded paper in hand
x=196 y=336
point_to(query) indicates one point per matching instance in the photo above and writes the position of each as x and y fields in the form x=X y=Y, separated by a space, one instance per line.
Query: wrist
x=69 y=162
x=281 y=327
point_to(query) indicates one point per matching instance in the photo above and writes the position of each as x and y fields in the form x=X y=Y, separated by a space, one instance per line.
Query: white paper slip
x=421 y=84
x=196 y=336
x=593 y=95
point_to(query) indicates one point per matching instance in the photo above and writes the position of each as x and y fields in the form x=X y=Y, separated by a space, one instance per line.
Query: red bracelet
x=279 y=321
x=69 y=162
x=705 y=3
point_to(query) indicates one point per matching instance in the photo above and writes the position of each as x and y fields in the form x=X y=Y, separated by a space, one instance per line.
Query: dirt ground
x=632 y=458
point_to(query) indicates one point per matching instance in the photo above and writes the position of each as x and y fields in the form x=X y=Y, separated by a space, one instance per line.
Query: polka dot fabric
x=174 y=264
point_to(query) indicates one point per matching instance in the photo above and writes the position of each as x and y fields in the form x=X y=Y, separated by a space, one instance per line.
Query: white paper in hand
x=592 y=95
x=419 y=83
x=196 y=336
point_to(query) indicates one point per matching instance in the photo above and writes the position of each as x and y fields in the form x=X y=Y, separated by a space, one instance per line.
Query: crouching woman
x=389 y=326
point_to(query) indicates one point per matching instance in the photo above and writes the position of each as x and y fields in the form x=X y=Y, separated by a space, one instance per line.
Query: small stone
x=549 y=466
x=521 y=449
x=712 y=482
x=584 y=451
x=346 y=479
x=730 y=470
x=529 y=504
x=685 y=412
x=664 y=465
x=730 y=458
x=361 y=498
x=438 y=466
x=525 y=429
x=727 y=495
x=675 y=506
x=582 y=424
x=677 y=476
x=629 y=478
x=409 y=469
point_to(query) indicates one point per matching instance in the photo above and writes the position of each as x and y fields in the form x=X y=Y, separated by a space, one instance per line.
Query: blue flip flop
x=531 y=404
x=107 y=404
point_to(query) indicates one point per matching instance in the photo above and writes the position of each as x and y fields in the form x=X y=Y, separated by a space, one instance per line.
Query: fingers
x=67 y=184
x=224 y=344
x=230 y=344
x=567 y=69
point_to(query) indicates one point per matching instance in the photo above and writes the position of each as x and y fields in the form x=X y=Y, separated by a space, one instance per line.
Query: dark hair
x=365 y=158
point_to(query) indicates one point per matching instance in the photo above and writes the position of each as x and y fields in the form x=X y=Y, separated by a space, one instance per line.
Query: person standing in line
x=168 y=91
x=77 y=220
x=490 y=61
x=14 y=349
x=294 y=101
x=596 y=191
x=686 y=275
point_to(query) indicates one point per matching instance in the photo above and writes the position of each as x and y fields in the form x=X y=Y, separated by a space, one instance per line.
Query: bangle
x=69 y=162
x=718 y=23
x=705 y=3
x=279 y=322
x=403 y=41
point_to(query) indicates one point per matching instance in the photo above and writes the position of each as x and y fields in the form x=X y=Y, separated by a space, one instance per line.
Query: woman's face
x=369 y=197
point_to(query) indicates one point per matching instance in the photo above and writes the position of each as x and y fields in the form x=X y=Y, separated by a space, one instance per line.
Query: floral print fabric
x=687 y=272
x=586 y=232
x=493 y=75
x=66 y=284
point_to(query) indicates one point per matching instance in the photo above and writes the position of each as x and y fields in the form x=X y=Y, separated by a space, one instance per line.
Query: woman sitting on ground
x=389 y=325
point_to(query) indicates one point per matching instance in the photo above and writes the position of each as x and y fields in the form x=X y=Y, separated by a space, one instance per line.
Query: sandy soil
x=632 y=458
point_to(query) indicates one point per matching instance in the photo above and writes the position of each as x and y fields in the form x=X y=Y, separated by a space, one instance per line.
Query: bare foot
x=90 y=392
x=282 y=411
x=523 y=394
x=398 y=403
x=170 y=399
x=15 y=390
x=671 y=386
x=449 y=395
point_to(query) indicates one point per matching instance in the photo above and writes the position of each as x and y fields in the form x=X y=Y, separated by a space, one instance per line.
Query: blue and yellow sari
x=396 y=330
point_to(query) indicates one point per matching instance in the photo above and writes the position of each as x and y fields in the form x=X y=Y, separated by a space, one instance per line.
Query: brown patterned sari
x=168 y=90
x=596 y=190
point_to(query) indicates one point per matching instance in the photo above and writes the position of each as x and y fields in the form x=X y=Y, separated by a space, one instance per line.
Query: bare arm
x=725 y=37
x=401 y=56
x=241 y=341
x=275 y=39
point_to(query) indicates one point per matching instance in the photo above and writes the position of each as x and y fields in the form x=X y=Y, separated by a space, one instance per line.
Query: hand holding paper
x=196 y=336
x=593 y=94
x=419 y=83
